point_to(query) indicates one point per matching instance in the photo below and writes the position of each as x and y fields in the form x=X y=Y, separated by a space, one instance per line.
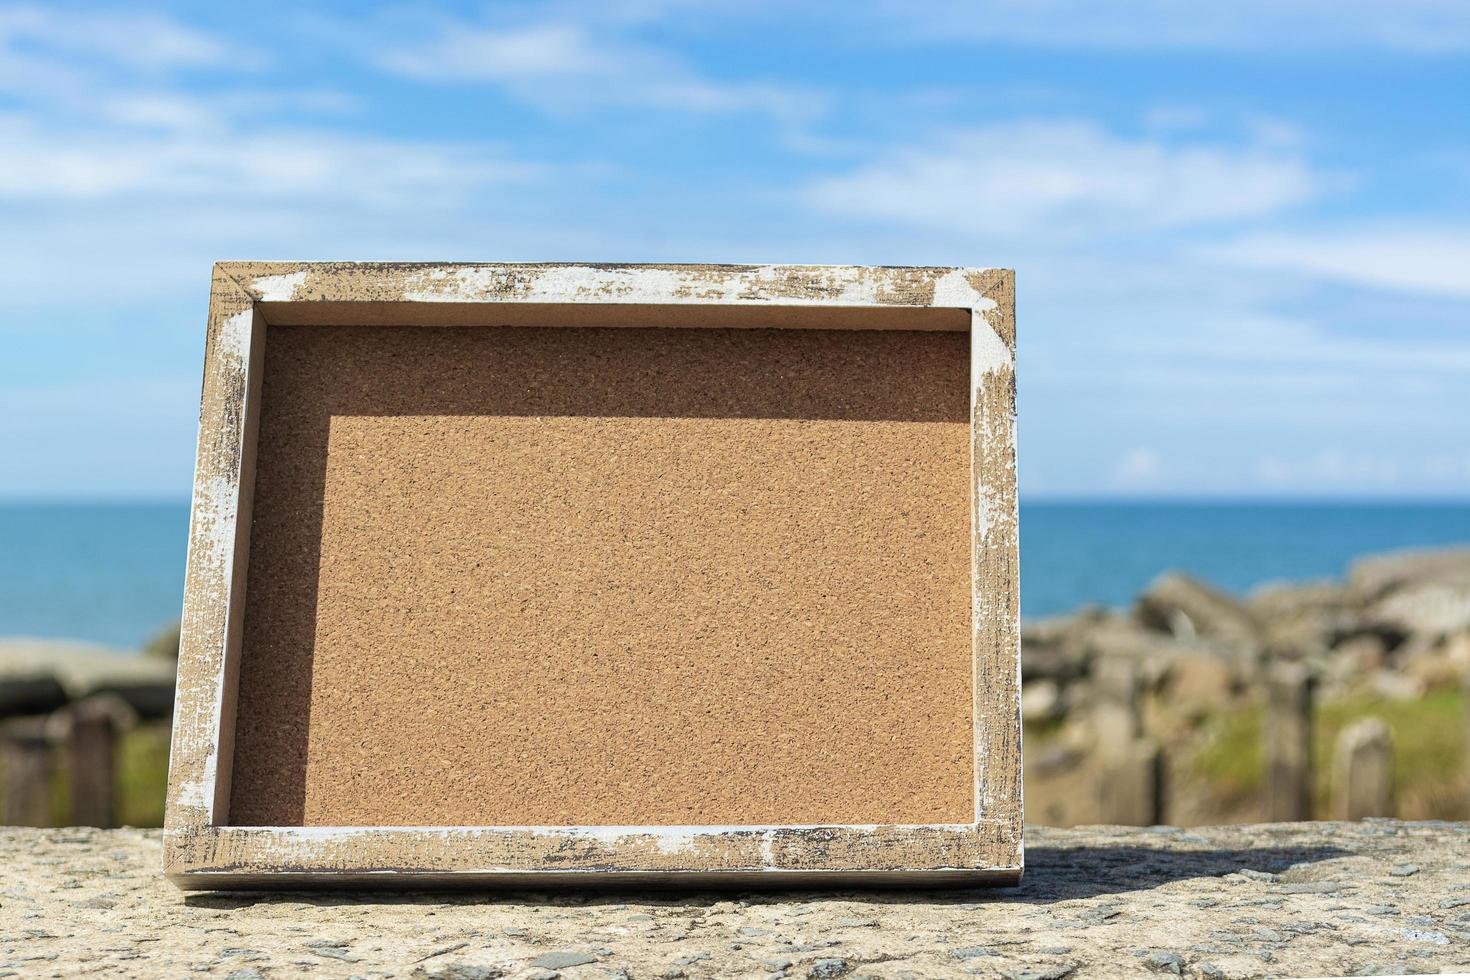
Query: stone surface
x=1254 y=901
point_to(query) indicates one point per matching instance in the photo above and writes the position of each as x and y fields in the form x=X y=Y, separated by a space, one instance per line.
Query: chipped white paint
x=278 y=289
x=988 y=353
x=738 y=285
x=955 y=289
x=213 y=546
x=672 y=838
x=201 y=852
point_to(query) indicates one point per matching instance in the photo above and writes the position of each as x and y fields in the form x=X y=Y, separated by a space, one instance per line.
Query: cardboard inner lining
x=511 y=576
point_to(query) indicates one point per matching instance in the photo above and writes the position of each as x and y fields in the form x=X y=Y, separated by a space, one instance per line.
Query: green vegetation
x=1232 y=762
x=1429 y=739
x=142 y=773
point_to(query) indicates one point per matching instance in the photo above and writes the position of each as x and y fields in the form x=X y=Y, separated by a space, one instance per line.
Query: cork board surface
x=608 y=576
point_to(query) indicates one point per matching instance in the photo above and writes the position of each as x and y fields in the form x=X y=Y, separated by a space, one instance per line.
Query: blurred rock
x=29 y=691
x=1041 y=701
x=1153 y=652
x=1353 y=659
x=81 y=670
x=1303 y=620
x=1189 y=609
x=1425 y=608
x=1396 y=686
x=164 y=643
x=1374 y=577
x=1430 y=666
x=1197 y=683
x=1053 y=647
x=1287 y=599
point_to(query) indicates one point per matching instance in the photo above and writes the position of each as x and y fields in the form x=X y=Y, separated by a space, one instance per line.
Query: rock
x=1289 y=600
x=1428 y=609
x=970 y=952
x=164 y=643
x=1051 y=648
x=1254 y=875
x=1361 y=652
x=26 y=692
x=458 y=971
x=1165 y=961
x=1189 y=609
x=828 y=969
x=84 y=669
x=561 y=959
x=1117 y=639
x=1430 y=665
x=1395 y=686
x=1310 y=888
x=1198 y=683
x=1041 y=701
x=1303 y=620
x=1376 y=576
x=1039 y=972
x=1403 y=870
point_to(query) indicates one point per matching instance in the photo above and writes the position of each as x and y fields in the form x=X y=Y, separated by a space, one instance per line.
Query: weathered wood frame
x=202 y=851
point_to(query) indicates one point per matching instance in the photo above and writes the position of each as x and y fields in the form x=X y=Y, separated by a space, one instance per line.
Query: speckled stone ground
x=1260 y=901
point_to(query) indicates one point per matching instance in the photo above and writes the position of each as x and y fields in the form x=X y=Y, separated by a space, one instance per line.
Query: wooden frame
x=203 y=851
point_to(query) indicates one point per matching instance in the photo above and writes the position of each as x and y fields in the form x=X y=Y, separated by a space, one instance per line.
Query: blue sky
x=1242 y=231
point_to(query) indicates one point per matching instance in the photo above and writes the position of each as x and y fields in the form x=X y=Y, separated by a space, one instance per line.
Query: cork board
x=545 y=573
x=608 y=576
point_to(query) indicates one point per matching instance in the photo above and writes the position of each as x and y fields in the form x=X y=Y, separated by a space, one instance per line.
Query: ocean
x=113 y=573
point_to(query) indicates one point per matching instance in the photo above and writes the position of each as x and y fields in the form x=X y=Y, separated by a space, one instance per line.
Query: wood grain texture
x=996 y=556
x=214 y=577
x=484 y=854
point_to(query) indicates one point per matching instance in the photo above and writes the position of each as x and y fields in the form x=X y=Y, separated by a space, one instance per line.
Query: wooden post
x=1115 y=716
x=1131 y=791
x=27 y=761
x=1131 y=770
x=1288 y=742
x=1465 y=747
x=1362 y=778
x=92 y=743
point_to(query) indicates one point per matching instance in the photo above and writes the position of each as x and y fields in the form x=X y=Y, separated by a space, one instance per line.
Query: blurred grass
x=1227 y=767
x=142 y=774
x=1232 y=762
x=139 y=779
x=1429 y=740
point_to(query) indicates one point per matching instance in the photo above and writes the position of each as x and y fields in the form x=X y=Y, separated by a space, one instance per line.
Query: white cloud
x=1426 y=259
x=135 y=42
x=1138 y=467
x=1046 y=178
x=114 y=162
x=1233 y=25
x=1340 y=469
x=562 y=64
x=241 y=166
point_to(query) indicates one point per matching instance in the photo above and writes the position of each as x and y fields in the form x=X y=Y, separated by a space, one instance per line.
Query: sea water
x=114 y=572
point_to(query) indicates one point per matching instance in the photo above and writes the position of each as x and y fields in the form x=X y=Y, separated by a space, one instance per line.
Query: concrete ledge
x=1314 y=899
